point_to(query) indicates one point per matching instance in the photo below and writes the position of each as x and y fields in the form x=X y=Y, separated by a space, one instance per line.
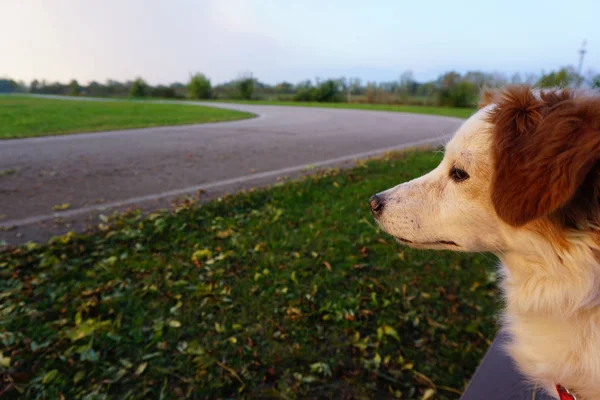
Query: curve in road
x=96 y=172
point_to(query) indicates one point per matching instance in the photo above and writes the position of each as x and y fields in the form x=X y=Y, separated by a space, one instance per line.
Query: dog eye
x=458 y=175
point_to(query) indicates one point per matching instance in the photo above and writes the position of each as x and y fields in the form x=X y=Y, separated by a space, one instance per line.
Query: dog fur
x=531 y=197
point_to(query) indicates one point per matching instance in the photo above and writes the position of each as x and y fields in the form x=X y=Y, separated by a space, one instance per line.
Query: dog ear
x=486 y=98
x=544 y=147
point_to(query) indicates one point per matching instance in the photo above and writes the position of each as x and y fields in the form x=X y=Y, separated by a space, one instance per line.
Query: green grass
x=429 y=110
x=289 y=292
x=28 y=116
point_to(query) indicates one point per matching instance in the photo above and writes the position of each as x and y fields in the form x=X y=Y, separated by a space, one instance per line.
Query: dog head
x=525 y=158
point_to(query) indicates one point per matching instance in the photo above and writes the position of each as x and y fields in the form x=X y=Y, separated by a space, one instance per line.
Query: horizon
x=165 y=43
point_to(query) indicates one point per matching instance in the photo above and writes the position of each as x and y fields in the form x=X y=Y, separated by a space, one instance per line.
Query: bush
x=163 y=92
x=139 y=88
x=246 y=87
x=306 y=94
x=284 y=88
x=378 y=95
x=199 y=87
x=329 y=92
x=459 y=94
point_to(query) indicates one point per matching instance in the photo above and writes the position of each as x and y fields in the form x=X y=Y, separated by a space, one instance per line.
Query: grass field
x=289 y=292
x=29 y=116
x=429 y=110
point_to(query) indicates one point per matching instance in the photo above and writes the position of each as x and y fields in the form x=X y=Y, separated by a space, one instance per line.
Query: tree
x=7 y=85
x=450 y=79
x=457 y=91
x=516 y=79
x=21 y=87
x=407 y=81
x=462 y=94
x=478 y=78
x=371 y=92
x=74 y=88
x=139 y=88
x=304 y=84
x=596 y=81
x=246 y=87
x=564 y=77
x=330 y=91
x=355 y=86
x=284 y=88
x=305 y=91
x=114 y=88
x=94 y=89
x=199 y=87
x=34 y=86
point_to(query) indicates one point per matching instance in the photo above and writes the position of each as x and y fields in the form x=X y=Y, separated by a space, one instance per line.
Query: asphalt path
x=98 y=173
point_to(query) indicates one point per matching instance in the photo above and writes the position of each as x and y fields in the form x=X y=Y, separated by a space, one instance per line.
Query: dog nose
x=376 y=203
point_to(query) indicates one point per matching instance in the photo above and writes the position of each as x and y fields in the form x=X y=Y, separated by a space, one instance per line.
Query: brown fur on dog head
x=544 y=147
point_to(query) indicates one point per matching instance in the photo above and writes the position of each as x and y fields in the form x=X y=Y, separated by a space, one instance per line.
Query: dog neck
x=548 y=277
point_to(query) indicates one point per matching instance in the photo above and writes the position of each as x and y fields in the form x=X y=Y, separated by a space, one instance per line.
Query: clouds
x=292 y=40
x=112 y=39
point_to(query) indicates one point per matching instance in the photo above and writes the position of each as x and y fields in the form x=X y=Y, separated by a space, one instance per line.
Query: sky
x=292 y=40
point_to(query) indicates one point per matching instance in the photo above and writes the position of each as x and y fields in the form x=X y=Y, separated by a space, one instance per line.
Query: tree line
x=451 y=89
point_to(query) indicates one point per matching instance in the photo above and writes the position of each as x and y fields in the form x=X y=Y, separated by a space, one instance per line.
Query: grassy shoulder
x=29 y=116
x=287 y=292
x=429 y=110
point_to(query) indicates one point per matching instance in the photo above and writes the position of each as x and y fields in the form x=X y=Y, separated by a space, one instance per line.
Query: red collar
x=564 y=394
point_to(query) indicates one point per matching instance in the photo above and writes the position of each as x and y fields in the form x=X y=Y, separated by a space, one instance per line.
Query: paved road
x=96 y=172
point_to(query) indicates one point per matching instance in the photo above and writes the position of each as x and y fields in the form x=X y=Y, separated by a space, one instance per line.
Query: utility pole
x=582 y=52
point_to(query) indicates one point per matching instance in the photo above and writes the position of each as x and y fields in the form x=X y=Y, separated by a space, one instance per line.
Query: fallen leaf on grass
x=377 y=360
x=235 y=375
x=387 y=330
x=449 y=389
x=49 y=377
x=224 y=234
x=428 y=394
x=327 y=265
x=434 y=324
x=321 y=368
x=86 y=328
x=422 y=379
x=201 y=255
x=4 y=361
x=278 y=213
x=174 y=323
x=140 y=370
x=407 y=366
x=78 y=376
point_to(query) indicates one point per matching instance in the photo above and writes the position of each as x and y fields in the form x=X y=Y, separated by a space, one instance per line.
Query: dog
x=521 y=179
